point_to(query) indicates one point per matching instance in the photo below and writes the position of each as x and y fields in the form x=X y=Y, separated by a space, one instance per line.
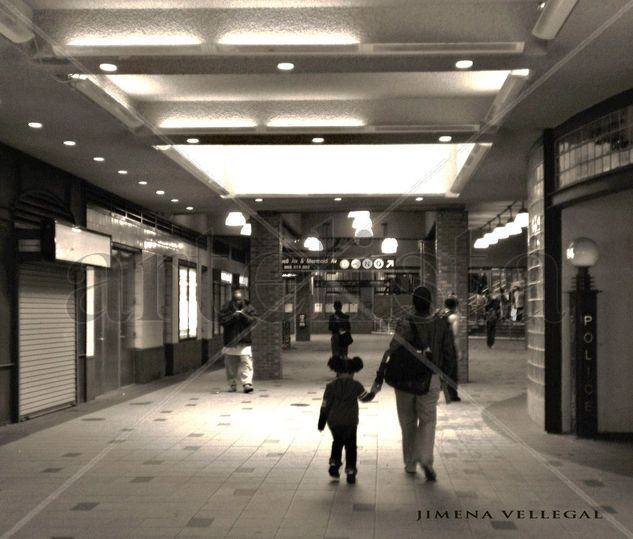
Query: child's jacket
x=340 y=402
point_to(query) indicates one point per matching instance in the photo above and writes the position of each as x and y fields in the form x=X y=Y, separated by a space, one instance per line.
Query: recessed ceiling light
x=142 y=182
x=259 y=200
x=338 y=199
x=108 y=68
x=445 y=138
x=189 y=208
x=193 y=141
x=99 y=159
x=464 y=64
x=122 y=171
x=70 y=143
x=541 y=6
x=318 y=140
x=174 y=200
x=160 y=192
x=285 y=66
x=419 y=199
x=35 y=125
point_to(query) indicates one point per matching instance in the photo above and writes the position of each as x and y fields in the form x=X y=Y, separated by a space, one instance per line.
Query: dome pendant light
x=235 y=218
x=523 y=218
x=313 y=243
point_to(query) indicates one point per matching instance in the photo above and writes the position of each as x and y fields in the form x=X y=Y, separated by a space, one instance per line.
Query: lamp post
x=583 y=253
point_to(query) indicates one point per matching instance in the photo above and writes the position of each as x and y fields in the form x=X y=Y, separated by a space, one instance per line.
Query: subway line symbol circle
x=355 y=263
x=379 y=263
x=367 y=263
x=344 y=264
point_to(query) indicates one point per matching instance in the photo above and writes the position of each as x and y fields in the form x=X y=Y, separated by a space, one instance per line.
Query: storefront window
x=187 y=301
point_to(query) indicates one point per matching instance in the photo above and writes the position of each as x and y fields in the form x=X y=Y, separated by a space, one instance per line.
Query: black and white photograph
x=316 y=269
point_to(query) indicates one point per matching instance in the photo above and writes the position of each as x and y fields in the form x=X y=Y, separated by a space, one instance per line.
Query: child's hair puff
x=340 y=364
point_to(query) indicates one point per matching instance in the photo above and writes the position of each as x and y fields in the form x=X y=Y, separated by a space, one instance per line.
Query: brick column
x=304 y=306
x=267 y=294
x=428 y=269
x=452 y=253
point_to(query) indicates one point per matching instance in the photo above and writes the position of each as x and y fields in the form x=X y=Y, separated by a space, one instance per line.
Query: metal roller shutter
x=47 y=369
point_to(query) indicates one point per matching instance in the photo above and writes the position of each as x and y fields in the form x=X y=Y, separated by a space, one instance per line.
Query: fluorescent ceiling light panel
x=139 y=40
x=239 y=88
x=315 y=122
x=204 y=123
x=389 y=169
x=287 y=38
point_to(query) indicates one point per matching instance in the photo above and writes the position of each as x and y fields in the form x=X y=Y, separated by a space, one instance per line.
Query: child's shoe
x=351 y=475
x=333 y=469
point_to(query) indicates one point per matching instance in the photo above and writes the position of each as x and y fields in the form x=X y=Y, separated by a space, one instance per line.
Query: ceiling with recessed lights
x=285 y=98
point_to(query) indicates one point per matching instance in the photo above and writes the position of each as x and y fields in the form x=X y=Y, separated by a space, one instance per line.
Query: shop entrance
x=117 y=368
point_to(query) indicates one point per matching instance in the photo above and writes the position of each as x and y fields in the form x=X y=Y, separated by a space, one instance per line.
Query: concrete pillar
x=304 y=306
x=267 y=294
x=452 y=256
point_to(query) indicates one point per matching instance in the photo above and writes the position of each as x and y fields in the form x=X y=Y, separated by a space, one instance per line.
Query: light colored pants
x=241 y=366
x=418 y=415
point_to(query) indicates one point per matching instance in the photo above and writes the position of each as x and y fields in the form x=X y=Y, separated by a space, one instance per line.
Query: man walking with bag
x=421 y=351
x=237 y=318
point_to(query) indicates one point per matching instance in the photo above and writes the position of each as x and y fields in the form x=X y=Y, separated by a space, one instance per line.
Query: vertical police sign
x=583 y=253
x=584 y=331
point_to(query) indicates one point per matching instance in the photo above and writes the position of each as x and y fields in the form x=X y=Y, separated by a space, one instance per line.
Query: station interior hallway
x=185 y=458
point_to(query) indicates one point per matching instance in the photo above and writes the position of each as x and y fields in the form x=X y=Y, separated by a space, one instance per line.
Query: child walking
x=340 y=411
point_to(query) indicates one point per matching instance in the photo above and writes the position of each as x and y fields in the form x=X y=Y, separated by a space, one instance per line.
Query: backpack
x=406 y=370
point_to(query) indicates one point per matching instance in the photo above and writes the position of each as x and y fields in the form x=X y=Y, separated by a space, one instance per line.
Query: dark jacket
x=237 y=326
x=339 y=322
x=433 y=331
x=340 y=402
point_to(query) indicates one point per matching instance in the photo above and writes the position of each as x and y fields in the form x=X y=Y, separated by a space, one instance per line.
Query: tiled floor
x=191 y=460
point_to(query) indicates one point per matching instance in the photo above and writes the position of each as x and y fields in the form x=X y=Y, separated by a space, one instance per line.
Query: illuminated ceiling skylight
x=278 y=170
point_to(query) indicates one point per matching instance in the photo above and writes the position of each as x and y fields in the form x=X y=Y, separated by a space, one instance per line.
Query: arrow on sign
x=390 y=263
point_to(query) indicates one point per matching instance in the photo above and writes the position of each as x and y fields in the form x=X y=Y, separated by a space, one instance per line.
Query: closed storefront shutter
x=47 y=339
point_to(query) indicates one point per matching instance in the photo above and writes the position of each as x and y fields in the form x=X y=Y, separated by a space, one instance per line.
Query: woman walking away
x=341 y=331
x=340 y=411
x=421 y=352
x=492 y=315
x=450 y=312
